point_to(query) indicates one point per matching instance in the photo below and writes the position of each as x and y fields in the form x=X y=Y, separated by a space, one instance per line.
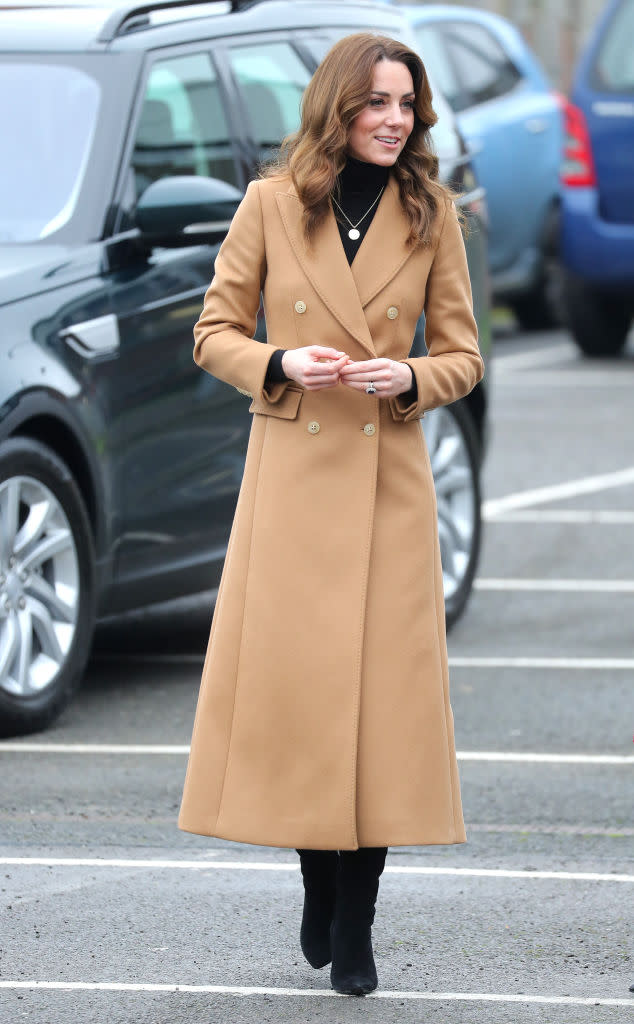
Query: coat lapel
x=326 y=267
x=384 y=249
x=345 y=289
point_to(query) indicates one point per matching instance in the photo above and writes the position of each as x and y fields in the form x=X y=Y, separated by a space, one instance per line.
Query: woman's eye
x=409 y=104
x=376 y=101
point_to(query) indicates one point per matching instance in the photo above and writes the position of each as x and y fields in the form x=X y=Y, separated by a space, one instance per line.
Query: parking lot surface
x=111 y=914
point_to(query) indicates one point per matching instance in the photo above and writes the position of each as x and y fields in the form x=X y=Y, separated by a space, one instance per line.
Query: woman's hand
x=315 y=367
x=389 y=377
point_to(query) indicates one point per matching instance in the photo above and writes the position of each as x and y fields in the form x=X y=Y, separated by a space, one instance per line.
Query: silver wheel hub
x=455 y=497
x=39 y=586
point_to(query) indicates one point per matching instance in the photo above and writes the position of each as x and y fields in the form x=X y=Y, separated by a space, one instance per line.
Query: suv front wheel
x=46 y=586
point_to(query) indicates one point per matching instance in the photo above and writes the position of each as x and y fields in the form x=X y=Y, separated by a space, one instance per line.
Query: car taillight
x=578 y=164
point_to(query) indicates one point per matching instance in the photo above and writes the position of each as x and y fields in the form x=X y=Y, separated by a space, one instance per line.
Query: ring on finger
x=371 y=389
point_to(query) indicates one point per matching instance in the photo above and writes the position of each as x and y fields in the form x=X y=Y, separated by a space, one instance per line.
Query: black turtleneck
x=356 y=188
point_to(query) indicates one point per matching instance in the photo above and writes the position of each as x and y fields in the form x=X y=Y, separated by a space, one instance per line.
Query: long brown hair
x=338 y=91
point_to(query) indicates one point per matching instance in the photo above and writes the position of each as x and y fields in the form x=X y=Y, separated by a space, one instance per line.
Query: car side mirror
x=186 y=210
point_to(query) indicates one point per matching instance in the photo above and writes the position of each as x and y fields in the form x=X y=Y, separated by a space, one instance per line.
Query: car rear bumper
x=595 y=249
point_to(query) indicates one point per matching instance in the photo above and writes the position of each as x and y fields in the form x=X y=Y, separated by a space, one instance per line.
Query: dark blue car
x=597 y=210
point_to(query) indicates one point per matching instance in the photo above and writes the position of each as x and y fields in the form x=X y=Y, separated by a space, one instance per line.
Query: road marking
x=240 y=865
x=556 y=585
x=601 y=517
x=455 y=661
x=533 y=758
x=312 y=993
x=14 y=747
x=557 y=492
x=182 y=749
x=582 y=664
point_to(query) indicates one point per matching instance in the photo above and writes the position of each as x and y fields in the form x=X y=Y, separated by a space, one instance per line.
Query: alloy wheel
x=39 y=586
x=456 y=496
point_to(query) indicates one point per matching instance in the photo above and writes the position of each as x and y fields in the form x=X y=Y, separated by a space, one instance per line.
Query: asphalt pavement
x=110 y=914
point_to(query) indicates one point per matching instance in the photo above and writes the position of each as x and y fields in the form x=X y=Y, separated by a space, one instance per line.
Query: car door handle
x=535 y=125
x=93 y=338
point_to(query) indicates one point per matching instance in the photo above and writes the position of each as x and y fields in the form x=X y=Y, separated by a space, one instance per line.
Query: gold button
x=313 y=427
x=369 y=429
x=392 y=312
x=300 y=306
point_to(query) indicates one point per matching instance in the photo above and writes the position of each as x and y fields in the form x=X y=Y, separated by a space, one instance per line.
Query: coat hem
x=303 y=841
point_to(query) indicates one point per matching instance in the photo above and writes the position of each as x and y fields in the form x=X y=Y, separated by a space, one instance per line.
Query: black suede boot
x=319 y=873
x=353 y=971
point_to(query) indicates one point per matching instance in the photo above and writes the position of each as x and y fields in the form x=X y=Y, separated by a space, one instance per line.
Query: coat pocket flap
x=285 y=408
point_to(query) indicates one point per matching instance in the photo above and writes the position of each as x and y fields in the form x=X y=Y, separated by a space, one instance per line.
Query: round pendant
x=353 y=234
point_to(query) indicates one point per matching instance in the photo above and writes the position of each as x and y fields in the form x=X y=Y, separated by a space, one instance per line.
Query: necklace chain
x=353 y=227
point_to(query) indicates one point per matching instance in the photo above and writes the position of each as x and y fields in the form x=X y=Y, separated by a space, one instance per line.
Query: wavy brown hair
x=338 y=91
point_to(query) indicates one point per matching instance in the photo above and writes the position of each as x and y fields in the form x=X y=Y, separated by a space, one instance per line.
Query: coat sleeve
x=223 y=336
x=453 y=365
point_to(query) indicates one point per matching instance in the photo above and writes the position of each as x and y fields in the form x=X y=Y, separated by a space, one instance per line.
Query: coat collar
x=346 y=289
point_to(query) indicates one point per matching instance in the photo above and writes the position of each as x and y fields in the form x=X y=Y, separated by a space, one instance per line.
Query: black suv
x=134 y=131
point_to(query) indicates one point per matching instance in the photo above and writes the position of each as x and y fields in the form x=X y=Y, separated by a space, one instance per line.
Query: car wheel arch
x=47 y=419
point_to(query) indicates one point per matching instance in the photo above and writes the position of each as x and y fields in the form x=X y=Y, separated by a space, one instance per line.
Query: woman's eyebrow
x=377 y=92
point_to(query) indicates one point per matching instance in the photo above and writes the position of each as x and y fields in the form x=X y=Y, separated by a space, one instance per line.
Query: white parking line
x=583 y=516
x=581 y=664
x=313 y=993
x=455 y=661
x=182 y=749
x=556 y=585
x=557 y=492
x=244 y=865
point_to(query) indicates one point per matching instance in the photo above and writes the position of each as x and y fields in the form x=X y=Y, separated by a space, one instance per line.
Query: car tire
x=454 y=452
x=47 y=586
x=533 y=311
x=540 y=309
x=599 y=321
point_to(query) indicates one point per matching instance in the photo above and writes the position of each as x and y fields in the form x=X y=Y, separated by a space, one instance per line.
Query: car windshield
x=614 y=69
x=48 y=114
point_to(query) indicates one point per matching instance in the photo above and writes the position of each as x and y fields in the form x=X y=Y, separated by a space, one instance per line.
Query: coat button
x=313 y=427
x=300 y=306
x=369 y=429
x=392 y=312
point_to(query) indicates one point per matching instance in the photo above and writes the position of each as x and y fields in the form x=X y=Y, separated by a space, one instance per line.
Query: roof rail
x=132 y=16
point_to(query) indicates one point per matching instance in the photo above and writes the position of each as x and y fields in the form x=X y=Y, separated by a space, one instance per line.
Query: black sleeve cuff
x=274 y=372
x=412 y=395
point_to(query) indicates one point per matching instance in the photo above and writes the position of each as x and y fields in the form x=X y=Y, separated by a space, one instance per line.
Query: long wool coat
x=323 y=719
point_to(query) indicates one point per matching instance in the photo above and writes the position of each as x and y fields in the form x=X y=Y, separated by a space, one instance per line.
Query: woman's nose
x=394 y=115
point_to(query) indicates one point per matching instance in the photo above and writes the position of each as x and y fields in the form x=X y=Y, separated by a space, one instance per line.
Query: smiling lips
x=388 y=140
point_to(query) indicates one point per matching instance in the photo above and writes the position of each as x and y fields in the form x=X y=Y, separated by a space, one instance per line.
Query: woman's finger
x=320 y=351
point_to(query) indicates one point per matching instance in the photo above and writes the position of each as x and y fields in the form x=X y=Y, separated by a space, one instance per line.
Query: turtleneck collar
x=359 y=176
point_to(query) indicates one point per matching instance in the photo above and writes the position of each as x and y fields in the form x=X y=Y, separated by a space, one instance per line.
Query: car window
x=614 y=64
x=431 y=47
x=271 y=79
x=48 y=119
x=182 y=128
x=481 y=64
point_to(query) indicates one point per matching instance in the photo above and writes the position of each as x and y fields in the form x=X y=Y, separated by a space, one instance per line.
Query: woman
x=323 y=722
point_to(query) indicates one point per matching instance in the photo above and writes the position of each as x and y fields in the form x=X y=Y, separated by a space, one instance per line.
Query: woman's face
x=378 y=134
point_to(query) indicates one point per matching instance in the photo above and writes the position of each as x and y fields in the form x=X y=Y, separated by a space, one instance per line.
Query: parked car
x=512 y=122
x=597 y=210
x=134 y=134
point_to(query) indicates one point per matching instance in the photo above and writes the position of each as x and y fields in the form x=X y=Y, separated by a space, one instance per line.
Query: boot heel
x=353 y=970
x=319 y=874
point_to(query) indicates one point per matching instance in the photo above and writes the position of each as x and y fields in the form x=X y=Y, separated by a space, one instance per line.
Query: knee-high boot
x=319 y=874
x=353 y=970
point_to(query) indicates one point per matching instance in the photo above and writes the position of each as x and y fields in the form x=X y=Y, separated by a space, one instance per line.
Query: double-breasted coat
x=323 y=719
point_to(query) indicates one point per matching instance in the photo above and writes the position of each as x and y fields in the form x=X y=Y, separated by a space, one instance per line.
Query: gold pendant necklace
x=353 y=233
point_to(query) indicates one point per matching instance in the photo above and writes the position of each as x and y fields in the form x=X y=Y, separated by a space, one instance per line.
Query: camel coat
x=323 y=719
